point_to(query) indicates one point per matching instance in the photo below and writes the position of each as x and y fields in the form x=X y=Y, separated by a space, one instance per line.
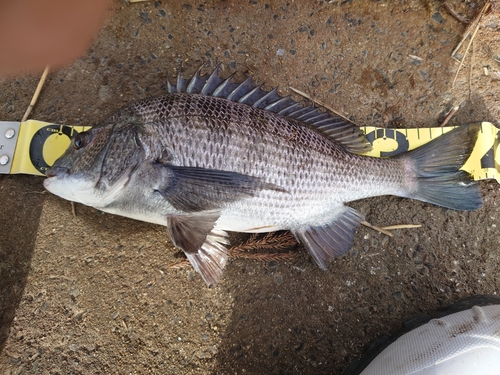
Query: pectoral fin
x=193 y=189
x=203 y=245
x=330 y=240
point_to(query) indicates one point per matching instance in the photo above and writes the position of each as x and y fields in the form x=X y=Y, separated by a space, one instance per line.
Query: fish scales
x=254 y=142
x=203 y=165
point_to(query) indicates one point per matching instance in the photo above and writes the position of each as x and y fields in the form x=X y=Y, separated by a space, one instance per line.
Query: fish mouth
x=59 y=172
x=53 y=174
x=60 y=182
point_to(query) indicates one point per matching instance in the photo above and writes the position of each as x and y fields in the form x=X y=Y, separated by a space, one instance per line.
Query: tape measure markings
x=40 y=143
x=37 y=149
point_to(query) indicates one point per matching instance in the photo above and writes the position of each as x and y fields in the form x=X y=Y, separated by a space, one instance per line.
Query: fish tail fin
x=437 y=164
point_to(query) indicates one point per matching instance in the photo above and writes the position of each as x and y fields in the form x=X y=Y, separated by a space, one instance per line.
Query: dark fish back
x=209 y=132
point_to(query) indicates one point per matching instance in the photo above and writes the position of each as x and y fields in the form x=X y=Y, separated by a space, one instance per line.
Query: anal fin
x=203 y=245
x=210 y=260
x=333 y=239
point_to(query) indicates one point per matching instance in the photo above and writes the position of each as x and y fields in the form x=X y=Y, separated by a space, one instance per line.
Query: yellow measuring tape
x=37 y=145
x=483 y=163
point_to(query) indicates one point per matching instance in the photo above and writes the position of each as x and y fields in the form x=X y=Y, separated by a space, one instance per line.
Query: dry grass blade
x=402 y=226
x=36 y=94
x=475 y=25
x=470 y=71
x=302 y=93
x=471 y=26
x=455 y=14
x=450 y=115
x=378 y=229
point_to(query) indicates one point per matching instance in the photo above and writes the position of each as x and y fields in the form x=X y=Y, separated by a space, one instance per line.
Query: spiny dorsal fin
x=246 y=92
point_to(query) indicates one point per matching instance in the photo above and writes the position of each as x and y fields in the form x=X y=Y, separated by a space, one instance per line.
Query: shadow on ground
x=21 y=206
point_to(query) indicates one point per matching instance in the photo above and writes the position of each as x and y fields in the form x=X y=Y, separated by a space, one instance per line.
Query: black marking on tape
x=400 y=138
x=488 y=159
x=39 y=139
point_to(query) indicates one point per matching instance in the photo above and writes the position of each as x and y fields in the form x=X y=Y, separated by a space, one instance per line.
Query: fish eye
x=81 y=140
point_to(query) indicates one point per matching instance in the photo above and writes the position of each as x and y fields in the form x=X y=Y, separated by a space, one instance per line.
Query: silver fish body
x=215 y=156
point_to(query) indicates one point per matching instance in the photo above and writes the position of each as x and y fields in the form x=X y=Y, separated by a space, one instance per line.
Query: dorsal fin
x=246 y=92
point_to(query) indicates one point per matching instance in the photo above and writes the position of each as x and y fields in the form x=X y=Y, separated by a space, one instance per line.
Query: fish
x=213 y=155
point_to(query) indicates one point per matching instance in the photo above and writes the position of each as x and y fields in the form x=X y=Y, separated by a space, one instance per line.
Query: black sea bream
x=214 y=156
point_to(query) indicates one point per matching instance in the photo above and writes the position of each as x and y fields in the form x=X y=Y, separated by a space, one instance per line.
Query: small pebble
x=353 y=252
x=438 y=18
x=74 y=292
x=104 y=93
x=424 y=75
x=424 y=271
x=384 y=241
x=397 y=295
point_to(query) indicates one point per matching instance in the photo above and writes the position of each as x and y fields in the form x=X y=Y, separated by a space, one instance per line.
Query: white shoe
x=452 y=343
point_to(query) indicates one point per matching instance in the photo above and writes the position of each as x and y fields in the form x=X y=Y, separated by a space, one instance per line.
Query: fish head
x=98 y=164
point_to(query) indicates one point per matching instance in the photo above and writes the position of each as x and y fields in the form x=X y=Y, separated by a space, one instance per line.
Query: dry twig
x=386 y=230
x=270 y=242
x=402 y=226
x=450 y=115
x=475 y=26
x=378 y=229
x=455 y=14
x=36 y=94
x=302 y=93
x=470 y=71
